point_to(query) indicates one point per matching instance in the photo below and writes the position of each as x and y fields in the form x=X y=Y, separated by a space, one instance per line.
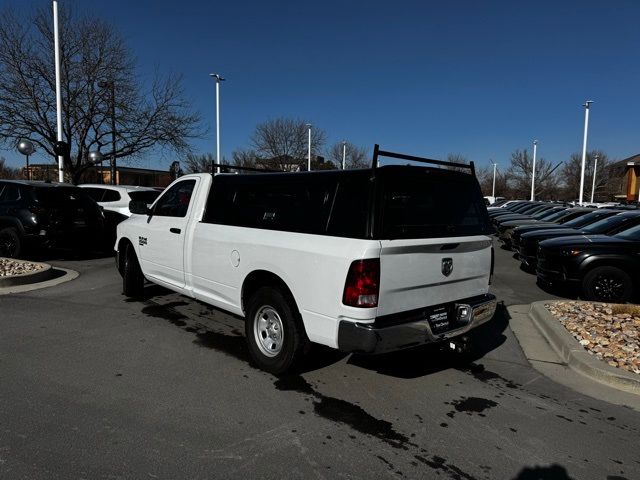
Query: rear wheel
x=274 y=332
x=132 y=277
x=10 y=243
x=607 y=284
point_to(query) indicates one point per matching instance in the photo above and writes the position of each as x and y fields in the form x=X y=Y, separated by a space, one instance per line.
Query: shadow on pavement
x=411 y=363
x=428 y=359
x=62 y=254
x=552 y=472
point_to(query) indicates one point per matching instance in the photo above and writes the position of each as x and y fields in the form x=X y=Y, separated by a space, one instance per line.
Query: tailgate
x=416 y=273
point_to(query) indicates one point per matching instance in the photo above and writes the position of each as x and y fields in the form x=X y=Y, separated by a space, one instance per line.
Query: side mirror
x=139 y=207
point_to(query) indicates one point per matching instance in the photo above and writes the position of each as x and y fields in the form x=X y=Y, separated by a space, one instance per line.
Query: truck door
x=162 y=249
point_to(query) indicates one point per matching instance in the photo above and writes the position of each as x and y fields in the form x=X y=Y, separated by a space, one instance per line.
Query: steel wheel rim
x=608 y=287
x=7 y=245
x=268 y=331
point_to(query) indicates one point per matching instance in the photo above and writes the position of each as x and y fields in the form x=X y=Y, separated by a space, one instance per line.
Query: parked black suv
x=604 y=268
x=38 y=214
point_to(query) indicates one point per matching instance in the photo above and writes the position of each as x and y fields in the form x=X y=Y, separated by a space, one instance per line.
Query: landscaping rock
x=610 y=332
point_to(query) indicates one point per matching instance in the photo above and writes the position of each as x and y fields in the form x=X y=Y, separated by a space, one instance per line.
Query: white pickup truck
x=367 y=261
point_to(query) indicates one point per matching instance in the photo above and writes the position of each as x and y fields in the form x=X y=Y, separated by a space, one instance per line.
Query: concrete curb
x=67 y=276
x=575 y=356
x=45 y=273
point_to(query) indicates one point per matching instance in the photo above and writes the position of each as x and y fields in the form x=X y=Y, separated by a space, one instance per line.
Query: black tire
x=293 y=341
x=10 y=243
x=607 y=284
x=132 y=277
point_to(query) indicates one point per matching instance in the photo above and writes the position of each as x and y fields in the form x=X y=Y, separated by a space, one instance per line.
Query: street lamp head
x=95 y=157
x=587 y=103
x=535 y=142
x=217 y=77
x=25 y=147
x=308 y=125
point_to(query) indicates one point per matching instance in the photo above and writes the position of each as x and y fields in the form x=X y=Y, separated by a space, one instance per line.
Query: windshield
x=545 y=214
x=632 y=233
x=583 y=220
x=604 y=224
x=556 y=215
x=60 y=196
x=423 y=204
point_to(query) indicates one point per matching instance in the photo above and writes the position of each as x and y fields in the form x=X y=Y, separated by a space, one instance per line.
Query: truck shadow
x=429 y=359
x=219 y=330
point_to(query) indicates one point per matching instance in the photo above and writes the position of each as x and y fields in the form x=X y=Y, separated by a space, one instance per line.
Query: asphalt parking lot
x=95 y=386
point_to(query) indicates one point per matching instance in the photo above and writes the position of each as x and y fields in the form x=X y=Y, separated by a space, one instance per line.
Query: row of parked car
x=38 y=215
x=593 y=251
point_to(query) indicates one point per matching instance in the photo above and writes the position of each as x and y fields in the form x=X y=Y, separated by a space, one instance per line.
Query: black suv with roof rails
x=38 y=214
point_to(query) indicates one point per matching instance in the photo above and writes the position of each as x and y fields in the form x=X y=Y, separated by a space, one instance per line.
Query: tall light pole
x=533 y=173
x=309 y=155
x=593 y=185
x=584 y=148
x=56 y=47
x=493 y=189
x=112 y=91
x=344 y=154
x=26 y=148
x=218 y=80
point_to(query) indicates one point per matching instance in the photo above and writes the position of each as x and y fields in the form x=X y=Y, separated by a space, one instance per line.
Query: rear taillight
x=363 y=284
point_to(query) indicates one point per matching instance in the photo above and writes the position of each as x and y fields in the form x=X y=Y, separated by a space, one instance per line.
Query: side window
x=175 y=201
x=111 y=196
x=95 y=193
x=9 y=193
x=273 y=204
x=351 y=209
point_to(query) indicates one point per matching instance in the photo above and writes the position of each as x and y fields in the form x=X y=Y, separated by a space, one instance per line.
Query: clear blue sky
x=480 y=78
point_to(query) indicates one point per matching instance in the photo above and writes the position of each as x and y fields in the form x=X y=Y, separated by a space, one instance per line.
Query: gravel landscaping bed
x=611 y=332
x=10 y=267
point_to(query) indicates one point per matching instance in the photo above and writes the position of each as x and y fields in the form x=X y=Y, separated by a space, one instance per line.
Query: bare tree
x=282 y=143
x=571 y=176
x=458 y=158
x=8 y=172
x=98 y=80
x=519 y=177
x=485 y=178
x=244 y=158
x=356 y=157
x=199 y=163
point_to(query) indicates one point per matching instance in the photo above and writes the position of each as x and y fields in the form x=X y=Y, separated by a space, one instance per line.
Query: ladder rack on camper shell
x=382 y=153
x=374 y=164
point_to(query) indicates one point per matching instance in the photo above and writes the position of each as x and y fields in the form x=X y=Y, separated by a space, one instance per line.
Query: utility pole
x=344 y=154
x=493 y=189
x=533 y=173
x=56 y=47
x=593 y=185
x=218 y=79
x=309 y=154
x=584 y=148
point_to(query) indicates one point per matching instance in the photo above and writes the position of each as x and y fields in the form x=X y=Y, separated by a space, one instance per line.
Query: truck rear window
x=425 y=203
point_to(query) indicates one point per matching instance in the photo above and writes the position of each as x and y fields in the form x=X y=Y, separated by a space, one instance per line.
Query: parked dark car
x=607 y=225
x=603 y=268
x=34 y=215
x=575 y=217
x=504 y=228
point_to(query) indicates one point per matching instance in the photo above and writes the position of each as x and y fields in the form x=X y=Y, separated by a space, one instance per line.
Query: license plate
x=439 y=320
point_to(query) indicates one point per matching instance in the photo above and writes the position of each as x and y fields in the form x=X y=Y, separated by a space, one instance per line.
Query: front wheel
x=10 y=243
x=607 y=284
x=274 y=332
x=132 y=277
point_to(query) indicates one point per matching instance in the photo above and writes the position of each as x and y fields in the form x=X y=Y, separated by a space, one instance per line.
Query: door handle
x=175 y=230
